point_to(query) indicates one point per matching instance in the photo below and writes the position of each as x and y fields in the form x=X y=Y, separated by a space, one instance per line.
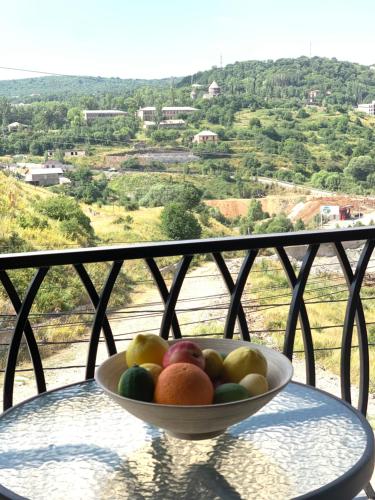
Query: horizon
x=152 y=41
x=35 y=74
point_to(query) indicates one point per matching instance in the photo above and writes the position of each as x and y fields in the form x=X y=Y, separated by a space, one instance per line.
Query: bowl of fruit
x=193 y=389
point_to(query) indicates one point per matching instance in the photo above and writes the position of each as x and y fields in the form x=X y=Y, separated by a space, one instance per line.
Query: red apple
x=184 y=352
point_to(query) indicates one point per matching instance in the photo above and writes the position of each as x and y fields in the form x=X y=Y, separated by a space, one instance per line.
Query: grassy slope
x=320 y=151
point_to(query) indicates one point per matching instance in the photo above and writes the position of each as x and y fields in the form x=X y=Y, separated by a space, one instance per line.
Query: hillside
x=339 y=81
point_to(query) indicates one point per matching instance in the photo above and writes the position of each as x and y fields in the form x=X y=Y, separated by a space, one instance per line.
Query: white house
x=43 y=176
x=205 y=136
x=72 y=153
x=15 y=126
x=56 y=164
x=367 y=108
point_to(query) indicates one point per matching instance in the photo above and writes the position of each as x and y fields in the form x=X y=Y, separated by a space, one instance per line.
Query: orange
x=183 y=384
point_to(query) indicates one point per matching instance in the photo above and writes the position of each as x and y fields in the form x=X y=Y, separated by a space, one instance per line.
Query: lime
x=227 y=393
x=136 y=383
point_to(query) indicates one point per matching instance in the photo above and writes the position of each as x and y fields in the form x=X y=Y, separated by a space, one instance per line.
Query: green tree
x=75 y=117
x=299 y=225
x=360 y=167
x=74 y=222
x=177 y=223
x=278 y=224
x=255 y=211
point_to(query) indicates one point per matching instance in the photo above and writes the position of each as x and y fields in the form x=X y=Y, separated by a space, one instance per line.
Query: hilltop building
x=168 y=112
x=93 y=114
x=205 y=136
x=213 y=91
x=369 y=109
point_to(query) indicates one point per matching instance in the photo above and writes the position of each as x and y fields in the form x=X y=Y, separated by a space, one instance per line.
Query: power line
x=43 y=72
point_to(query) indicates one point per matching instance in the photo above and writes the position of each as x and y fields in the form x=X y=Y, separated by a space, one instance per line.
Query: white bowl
x=201 y=421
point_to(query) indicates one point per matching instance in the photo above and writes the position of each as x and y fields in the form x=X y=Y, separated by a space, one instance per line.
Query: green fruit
x=136 y=383
x=227 y=393
x=214 y=363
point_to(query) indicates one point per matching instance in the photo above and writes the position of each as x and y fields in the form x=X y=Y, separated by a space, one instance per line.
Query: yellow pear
x=241 y=362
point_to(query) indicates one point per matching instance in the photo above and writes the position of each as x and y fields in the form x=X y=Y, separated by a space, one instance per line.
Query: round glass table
x=76 y=443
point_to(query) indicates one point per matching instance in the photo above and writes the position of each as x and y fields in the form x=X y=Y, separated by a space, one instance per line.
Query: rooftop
x=169 y=108
x=45 y=171
x=206 y=132
x=107 y=111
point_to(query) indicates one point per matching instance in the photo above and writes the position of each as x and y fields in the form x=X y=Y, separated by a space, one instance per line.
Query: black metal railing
x=218 y=248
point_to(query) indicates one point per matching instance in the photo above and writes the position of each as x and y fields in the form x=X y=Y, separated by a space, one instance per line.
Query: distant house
x=313 y=94
x=44 y=176
x=94 y=114
x=56 y=164
x=15 y=126
x=168 y=112
x=205 y=136
x=72 y=153
x=369 y=109
x=178 y=123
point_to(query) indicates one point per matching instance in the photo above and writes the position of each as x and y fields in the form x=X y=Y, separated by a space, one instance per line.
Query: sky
x=164 y=38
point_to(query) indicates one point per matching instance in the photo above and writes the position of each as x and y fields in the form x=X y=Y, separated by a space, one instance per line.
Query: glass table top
x=77 y=443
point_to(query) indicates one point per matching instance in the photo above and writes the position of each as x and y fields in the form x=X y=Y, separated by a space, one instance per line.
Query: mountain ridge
x=252 y=76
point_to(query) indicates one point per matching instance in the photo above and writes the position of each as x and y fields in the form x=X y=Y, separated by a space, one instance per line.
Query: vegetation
x=178 y=223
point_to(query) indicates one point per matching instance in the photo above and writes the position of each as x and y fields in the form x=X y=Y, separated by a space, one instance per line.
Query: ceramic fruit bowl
x=204 y=421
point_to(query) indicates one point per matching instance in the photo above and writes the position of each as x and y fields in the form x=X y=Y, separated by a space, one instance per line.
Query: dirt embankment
x=234 y=207
x=296 y=206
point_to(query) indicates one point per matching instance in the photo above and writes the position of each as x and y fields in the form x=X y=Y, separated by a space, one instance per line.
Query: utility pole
x=310 y=49
x=172 y=91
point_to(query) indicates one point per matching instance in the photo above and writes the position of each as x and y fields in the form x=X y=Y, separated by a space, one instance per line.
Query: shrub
x=177 y=223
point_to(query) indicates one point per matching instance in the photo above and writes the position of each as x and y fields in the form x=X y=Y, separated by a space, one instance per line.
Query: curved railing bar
x=15 y=343
x=303 y=318
x=164 y=293
x=296 y=302
x=170 y=305
x=99 y=317
x=28 y=331
x=94 y=297
x=364 y=373
x=228 y=280
x=353 y=305
x=237 y=293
